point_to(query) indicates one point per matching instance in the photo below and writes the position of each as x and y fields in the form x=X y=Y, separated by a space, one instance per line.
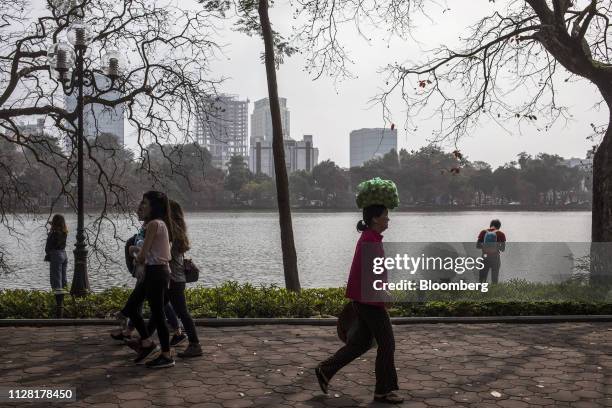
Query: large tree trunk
x=601 y=229
x=292 y=280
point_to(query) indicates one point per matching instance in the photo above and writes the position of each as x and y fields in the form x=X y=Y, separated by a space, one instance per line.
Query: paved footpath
x=443 y=365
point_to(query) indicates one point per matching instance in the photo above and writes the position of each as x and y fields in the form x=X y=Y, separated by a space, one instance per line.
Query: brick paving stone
x=135 y=404
x=414 y=404
x=466 y=397
x=440 y=402
x=455 y=365
x=133 y=395
x=585 y=404
x=564 y=396
x=238 y=403
x=170 y=402
x=513 y=404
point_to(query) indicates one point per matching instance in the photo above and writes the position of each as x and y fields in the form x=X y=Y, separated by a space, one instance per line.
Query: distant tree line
x=428 y=177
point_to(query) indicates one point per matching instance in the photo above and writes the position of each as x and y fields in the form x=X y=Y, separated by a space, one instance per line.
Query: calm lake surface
x=245 y=246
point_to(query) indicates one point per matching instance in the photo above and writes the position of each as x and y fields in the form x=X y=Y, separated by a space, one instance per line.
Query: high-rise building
x=100 y=119
x=224 y=130
x=33 y=129
x=299 y=155
x=261 y=119
x=303 y=155
x=368 y=144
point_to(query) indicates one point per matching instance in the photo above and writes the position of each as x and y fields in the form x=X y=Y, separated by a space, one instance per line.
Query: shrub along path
x=455 y=365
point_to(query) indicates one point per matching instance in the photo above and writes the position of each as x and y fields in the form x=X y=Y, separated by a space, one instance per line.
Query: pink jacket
x=361 y=278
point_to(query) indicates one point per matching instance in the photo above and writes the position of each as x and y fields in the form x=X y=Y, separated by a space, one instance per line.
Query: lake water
x=245 y=246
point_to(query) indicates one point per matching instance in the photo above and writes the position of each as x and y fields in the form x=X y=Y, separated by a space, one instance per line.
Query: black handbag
x=192 y=272
x=347 y=324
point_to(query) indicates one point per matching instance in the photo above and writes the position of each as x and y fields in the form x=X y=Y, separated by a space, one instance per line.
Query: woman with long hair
x=176 y=291
x=55 y=254
x=155 y=256
x=370 y=307
x=126 y=329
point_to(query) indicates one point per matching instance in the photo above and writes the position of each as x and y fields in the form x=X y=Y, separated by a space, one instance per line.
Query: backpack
x=489 y=245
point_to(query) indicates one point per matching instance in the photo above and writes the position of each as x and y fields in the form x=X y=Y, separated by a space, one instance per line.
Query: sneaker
x=178 y=339
x=161 y=362
x=192 y=350
x=147 y=353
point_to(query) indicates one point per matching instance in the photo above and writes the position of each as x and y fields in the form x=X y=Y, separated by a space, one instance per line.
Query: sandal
x=390 y=398
x=323 y=383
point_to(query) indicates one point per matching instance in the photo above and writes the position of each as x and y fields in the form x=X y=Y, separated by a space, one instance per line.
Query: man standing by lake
x=492 y=242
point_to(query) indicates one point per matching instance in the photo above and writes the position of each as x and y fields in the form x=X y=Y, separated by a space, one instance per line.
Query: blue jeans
x=58 y=263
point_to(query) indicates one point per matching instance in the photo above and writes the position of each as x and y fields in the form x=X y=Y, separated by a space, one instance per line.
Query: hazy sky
x=330 y=111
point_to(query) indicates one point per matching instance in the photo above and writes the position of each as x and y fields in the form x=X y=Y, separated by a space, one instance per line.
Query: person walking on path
x=492 y=242
x=155 y=256
x=125 y=332
x=370 y=307
x=55 y=254
x=176 y=292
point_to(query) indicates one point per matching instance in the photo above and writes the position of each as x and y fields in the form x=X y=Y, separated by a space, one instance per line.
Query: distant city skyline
x=330 y=109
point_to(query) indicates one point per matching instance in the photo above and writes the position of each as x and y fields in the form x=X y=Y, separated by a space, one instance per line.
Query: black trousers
x=153 y=289
x=493 y=263
x=176 y=296
x=373 y=322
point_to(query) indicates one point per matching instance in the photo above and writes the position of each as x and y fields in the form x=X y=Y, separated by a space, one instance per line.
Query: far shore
x=415 y=209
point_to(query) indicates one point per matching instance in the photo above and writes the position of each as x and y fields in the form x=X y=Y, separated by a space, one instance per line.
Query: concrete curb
x=236 y=322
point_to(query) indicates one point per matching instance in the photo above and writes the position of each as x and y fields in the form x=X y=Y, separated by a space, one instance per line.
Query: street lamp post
x=61 y=58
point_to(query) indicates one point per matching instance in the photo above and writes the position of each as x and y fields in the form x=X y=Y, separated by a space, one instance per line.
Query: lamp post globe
x=61 y=58
x=78 y=35
x=113 y=63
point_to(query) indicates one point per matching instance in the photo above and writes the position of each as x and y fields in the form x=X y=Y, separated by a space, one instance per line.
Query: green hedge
x=244 y=300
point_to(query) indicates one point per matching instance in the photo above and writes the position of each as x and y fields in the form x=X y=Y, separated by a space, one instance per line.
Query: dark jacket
x=56 y=241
